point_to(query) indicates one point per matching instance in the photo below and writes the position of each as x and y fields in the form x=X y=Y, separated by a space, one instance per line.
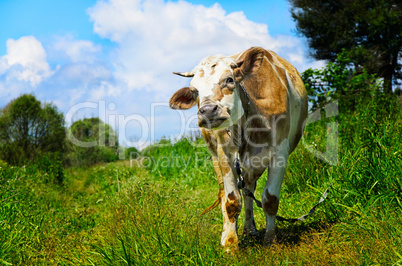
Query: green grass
x=147 y=213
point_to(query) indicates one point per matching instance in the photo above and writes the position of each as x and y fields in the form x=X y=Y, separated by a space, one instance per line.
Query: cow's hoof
x=250 y=232
x=230 y=243
x=269 y=238
x=231 y=250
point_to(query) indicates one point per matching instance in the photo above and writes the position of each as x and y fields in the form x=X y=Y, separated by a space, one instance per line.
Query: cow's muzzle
x=209 y=116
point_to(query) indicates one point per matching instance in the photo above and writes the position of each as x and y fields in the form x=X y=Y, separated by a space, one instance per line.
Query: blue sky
x=44 y=19
x=114 y=59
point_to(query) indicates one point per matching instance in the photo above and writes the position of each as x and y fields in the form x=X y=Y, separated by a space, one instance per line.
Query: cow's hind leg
x=270 y=195
x=249 y=223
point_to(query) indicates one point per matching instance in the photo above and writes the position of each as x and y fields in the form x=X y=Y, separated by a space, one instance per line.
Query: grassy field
x=148 y=212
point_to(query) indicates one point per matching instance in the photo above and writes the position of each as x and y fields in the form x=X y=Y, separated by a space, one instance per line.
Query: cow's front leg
x=231 y=208
x=270 y=195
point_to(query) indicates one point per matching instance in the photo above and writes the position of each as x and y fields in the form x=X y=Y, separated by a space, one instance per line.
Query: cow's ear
x=182 y=99
x=249 y=63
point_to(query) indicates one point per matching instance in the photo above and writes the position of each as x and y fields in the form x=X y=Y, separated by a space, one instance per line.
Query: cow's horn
x=185 y=74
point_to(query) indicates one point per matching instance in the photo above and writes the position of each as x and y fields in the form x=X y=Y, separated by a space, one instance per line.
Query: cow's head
x=215 y=88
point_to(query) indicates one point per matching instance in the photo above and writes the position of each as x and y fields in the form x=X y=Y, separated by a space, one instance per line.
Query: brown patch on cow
x=201 y=73
x=221 y=89
x=233 y=207
x=218 y=94
x=232 y=196
x=229 y=241
x=268 y=89
x=210 y=140
x=182 y=99
x=270 y=204
x=213 y=69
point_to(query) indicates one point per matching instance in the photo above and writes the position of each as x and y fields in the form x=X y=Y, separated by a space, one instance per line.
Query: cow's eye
x=229 y=81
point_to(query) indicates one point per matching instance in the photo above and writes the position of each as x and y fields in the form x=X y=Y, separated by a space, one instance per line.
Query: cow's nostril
x=208 y=110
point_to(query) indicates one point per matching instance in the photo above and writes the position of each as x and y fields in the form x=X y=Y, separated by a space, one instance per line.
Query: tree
x=131 y=152
x=371 y=32
x=29 y=128
x=339 y=80
x=91 y=141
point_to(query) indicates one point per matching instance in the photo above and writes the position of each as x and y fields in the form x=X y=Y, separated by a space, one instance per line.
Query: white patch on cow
x=230 y=183
x=295 y=104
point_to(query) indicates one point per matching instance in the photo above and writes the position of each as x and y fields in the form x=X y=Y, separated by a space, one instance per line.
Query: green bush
x=80 y=151
x=49 y=167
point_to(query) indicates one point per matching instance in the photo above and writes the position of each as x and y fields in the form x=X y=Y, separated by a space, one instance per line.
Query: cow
x=251 y=107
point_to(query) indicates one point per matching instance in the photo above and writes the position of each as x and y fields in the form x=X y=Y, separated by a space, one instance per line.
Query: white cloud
x=77 y=50
x=317 y=64
x=155 y=38
x=296 y=58
x=25 y=61
x=80 y=73
x=85 y=73
x=104 y=90
x=79 y=82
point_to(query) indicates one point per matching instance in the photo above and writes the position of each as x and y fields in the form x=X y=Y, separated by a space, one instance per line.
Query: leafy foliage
x=340 y=81
x=91 y=141
x=28 y=129
x=48 y=168
x=371 y=31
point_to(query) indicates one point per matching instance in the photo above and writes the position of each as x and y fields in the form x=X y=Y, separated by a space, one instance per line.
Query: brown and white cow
x=251 y=105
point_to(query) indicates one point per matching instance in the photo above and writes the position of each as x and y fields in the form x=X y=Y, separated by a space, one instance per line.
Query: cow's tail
x=221 y=194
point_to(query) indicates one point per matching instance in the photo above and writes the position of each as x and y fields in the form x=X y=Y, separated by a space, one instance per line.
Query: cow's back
x=297 y=100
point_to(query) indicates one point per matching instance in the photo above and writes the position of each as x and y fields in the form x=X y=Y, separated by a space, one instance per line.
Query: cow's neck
x=256 y=128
